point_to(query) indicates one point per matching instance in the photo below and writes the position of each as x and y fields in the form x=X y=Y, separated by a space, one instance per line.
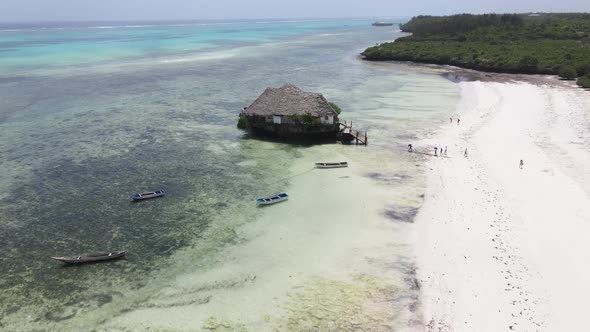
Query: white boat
x=272 y=199
x=148 y=195
x=332 y=165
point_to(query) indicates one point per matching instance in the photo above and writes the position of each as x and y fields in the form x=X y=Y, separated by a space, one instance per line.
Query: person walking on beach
x=521 y=164
x=445 y=150
x=451 y=118
x=409 y=147
x=435 y=150
x=465 y=154
x=458 y=120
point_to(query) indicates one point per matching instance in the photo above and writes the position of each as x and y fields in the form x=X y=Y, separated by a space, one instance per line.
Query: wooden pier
x=348 y=135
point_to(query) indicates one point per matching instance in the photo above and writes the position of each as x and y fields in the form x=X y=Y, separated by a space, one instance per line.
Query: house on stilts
x=293 y=114
x=289 y=112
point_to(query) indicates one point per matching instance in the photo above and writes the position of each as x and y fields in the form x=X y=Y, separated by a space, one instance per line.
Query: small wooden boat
x=148 y=195
x=90 y=258
x=382 y=24
x=272 y=199
x=332 y=165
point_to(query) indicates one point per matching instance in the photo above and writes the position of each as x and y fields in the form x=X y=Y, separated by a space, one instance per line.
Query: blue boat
x=280 y=197
x=148 y=195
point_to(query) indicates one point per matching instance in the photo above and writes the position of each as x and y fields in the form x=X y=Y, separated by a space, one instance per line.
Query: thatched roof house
x=290 y=111
x=288 y=100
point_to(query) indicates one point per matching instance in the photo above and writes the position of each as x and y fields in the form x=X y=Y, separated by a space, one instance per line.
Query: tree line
x=514 y=43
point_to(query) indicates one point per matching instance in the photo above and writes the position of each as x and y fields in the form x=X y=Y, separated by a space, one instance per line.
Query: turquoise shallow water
x=78 y=139
x=24 y=47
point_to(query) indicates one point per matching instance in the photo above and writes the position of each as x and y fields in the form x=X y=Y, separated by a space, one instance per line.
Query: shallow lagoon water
x=76 y=141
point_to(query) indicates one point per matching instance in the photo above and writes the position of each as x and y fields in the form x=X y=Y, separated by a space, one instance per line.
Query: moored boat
x=382 y=24
x=91 y=257
x=332 y=165
x=280 y=197
x=148 y=195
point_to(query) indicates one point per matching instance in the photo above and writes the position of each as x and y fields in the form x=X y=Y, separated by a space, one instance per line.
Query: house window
x=327 y=119
x=277 y=119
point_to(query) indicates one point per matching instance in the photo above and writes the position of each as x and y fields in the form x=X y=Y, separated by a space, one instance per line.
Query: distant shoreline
x=473 y=74
x=459 y=74
x=555 y=44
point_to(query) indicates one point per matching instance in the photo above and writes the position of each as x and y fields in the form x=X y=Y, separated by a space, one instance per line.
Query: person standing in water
x=521 y=165
x=451 y=118
x=445 y=150
x=465 y=154
x=409 y=147
x=458 y=120
x=435 y=150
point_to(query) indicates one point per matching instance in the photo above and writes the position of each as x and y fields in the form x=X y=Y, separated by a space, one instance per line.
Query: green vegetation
x=568 y=72
x=295 y=118
x=305 y=118
x=584 y=81
x=583 y=69
x=510 y=43
x=243 y=122
x=336 y=108
x=309 y=118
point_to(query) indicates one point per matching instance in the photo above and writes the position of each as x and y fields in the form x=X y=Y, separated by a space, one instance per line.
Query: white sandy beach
x=501 y=248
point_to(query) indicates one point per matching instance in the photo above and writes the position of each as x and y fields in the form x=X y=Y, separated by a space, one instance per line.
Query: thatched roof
x=288 y=100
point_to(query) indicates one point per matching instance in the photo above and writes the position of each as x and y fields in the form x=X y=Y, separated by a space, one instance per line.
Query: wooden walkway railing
x=348 y=134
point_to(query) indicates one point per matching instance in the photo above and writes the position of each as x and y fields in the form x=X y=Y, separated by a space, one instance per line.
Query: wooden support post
x=366 y=141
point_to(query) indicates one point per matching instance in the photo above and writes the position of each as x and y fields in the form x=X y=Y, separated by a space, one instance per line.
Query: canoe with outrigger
x=148 y=195
x=272 y=199
x=332 y=165
x=91 y=257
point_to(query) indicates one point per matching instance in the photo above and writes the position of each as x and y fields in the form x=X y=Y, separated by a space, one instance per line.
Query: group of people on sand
x=444 y=152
